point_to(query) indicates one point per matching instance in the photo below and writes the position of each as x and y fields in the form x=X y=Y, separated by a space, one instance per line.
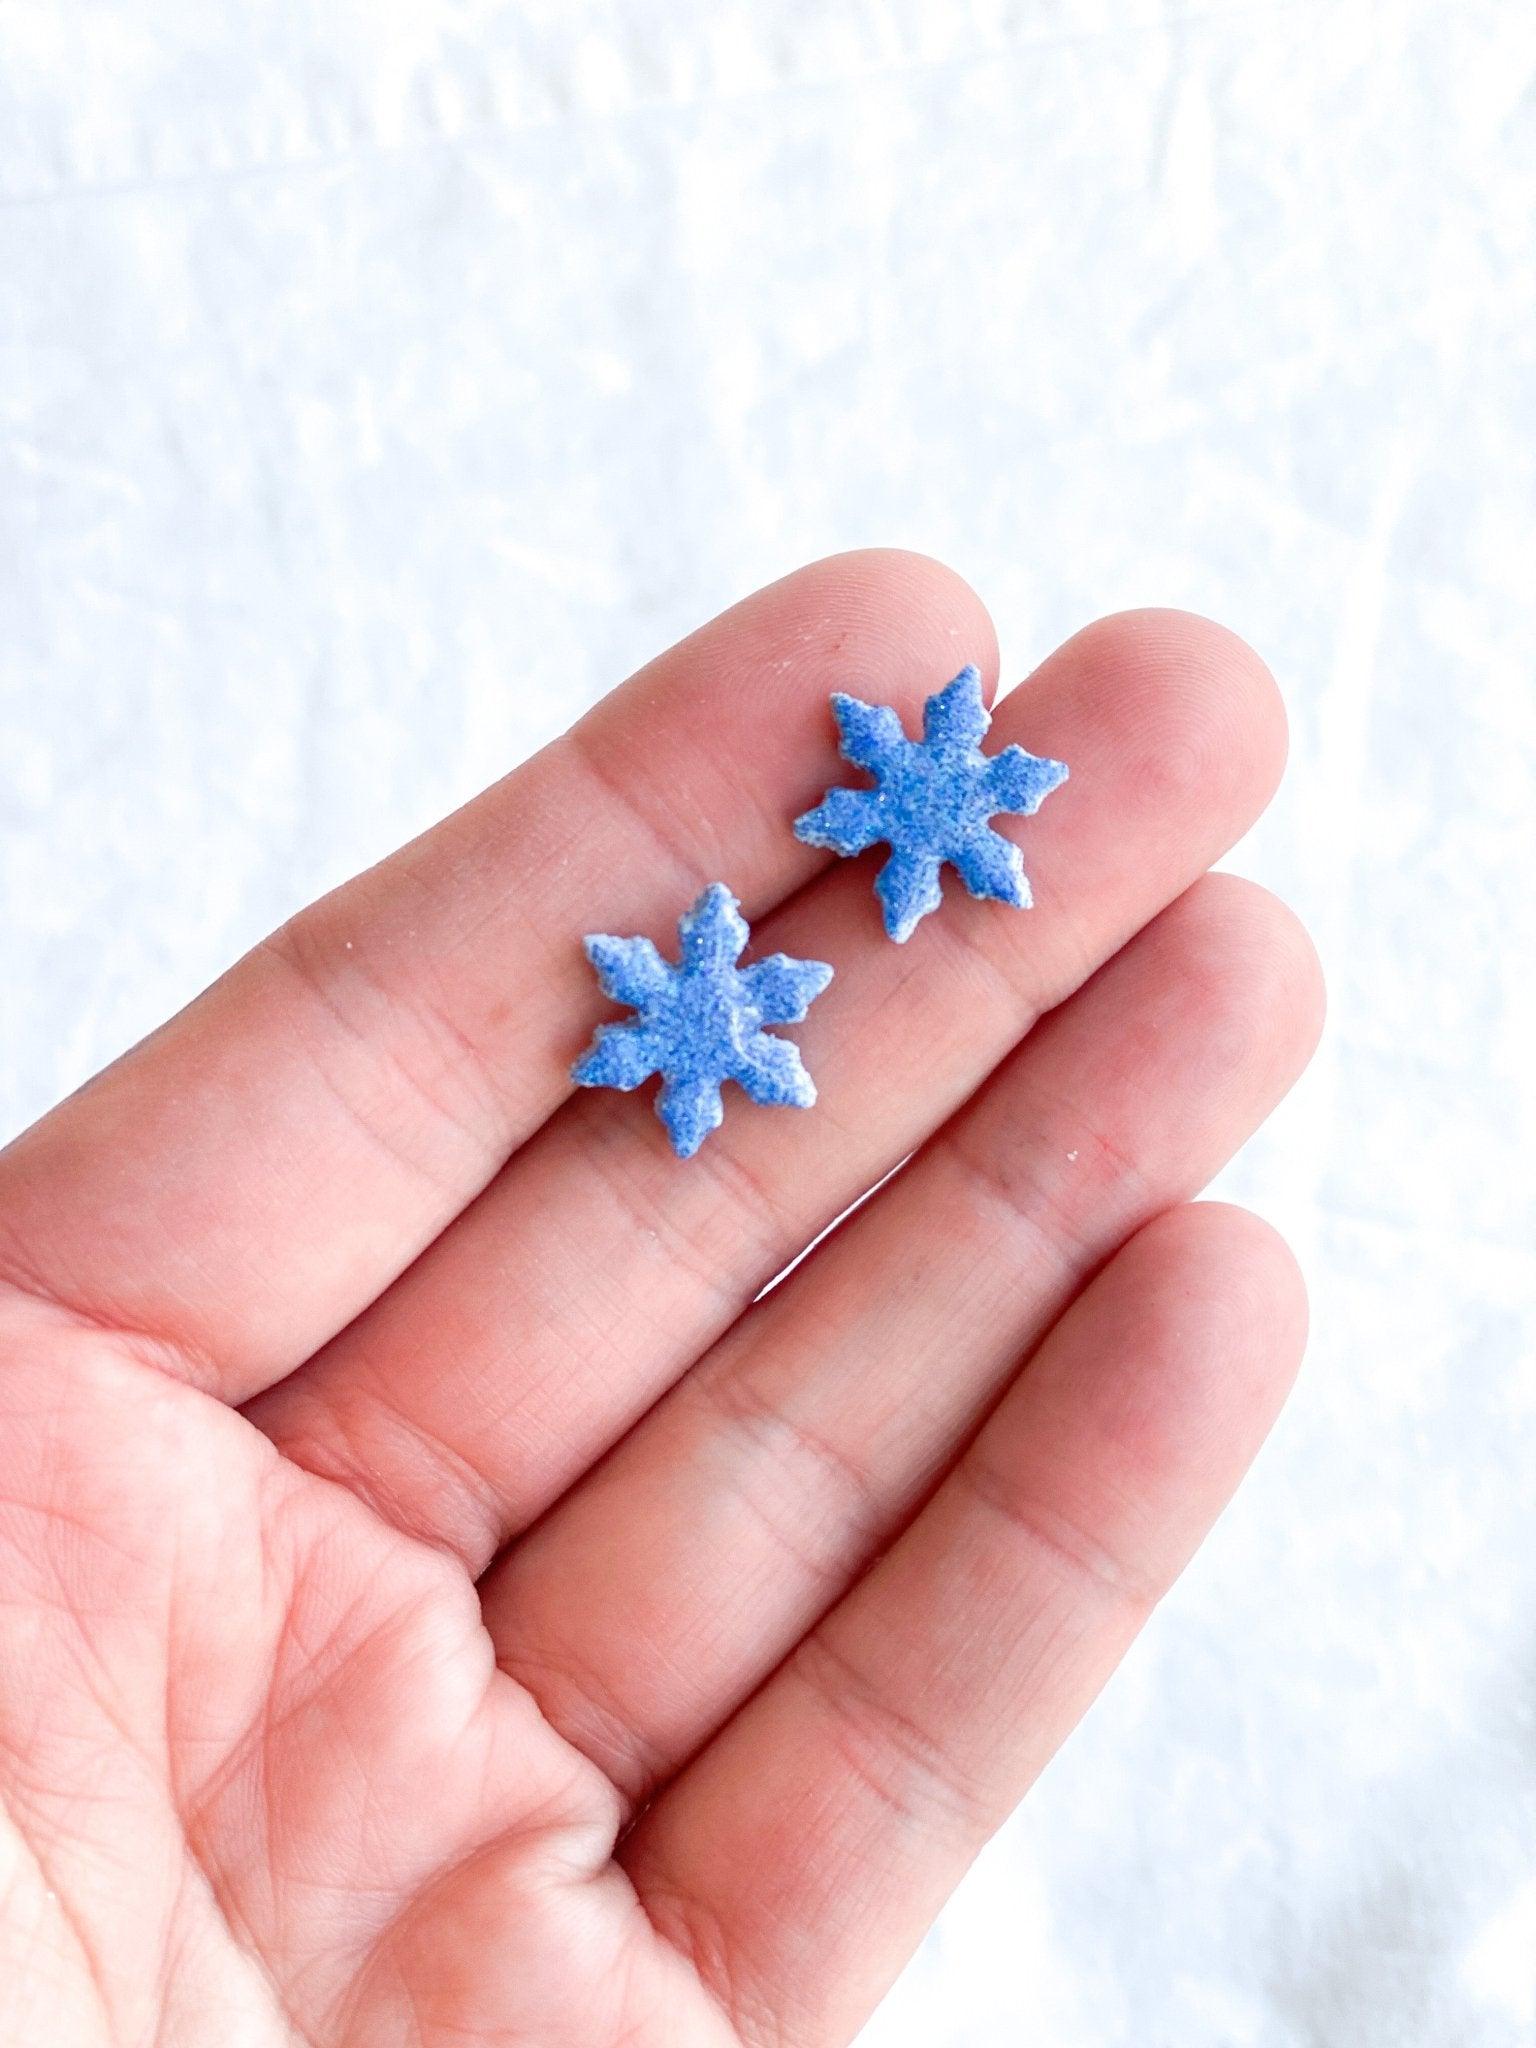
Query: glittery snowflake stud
x=701 y=1023
x=931 y=802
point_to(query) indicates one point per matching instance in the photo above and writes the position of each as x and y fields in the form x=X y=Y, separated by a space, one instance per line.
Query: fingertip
x=1284 y=968
x=1196 y=716
x=1224 y=1311
x=745 y=700
x=1249 y=969
x=1146 y=1405
x=923 y=600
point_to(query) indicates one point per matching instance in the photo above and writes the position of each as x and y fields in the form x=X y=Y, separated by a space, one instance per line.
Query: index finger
x=236 y=1189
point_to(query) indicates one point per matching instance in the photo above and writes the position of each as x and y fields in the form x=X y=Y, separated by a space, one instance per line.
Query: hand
x=442 y=1604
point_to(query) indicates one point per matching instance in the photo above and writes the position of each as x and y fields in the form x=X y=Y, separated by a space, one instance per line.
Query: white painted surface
x=378 y=383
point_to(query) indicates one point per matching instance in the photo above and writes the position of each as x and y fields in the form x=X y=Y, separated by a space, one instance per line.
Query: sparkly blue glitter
x=931 y=802
x=700 y=1023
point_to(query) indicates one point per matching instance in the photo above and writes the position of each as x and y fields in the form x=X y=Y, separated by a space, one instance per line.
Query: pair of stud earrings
x=700 y=1023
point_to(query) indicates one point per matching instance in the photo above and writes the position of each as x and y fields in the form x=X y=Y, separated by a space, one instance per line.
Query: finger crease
x=1060 y=1540
x=862 y=1510
x=929 y=1781
x=482 y=1147
x=174 y=1357
x=663 y=837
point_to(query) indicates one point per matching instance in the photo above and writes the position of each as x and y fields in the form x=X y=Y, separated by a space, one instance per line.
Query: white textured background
x=380 y=382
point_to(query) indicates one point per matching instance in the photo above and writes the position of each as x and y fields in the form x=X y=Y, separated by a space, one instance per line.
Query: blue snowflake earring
x=931 y=802
x=701 y=1023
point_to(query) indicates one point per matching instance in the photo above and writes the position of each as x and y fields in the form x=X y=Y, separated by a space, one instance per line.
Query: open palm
x=443 y=1600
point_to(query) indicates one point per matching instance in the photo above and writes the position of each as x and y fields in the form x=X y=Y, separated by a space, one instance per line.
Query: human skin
x=440 y=1602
